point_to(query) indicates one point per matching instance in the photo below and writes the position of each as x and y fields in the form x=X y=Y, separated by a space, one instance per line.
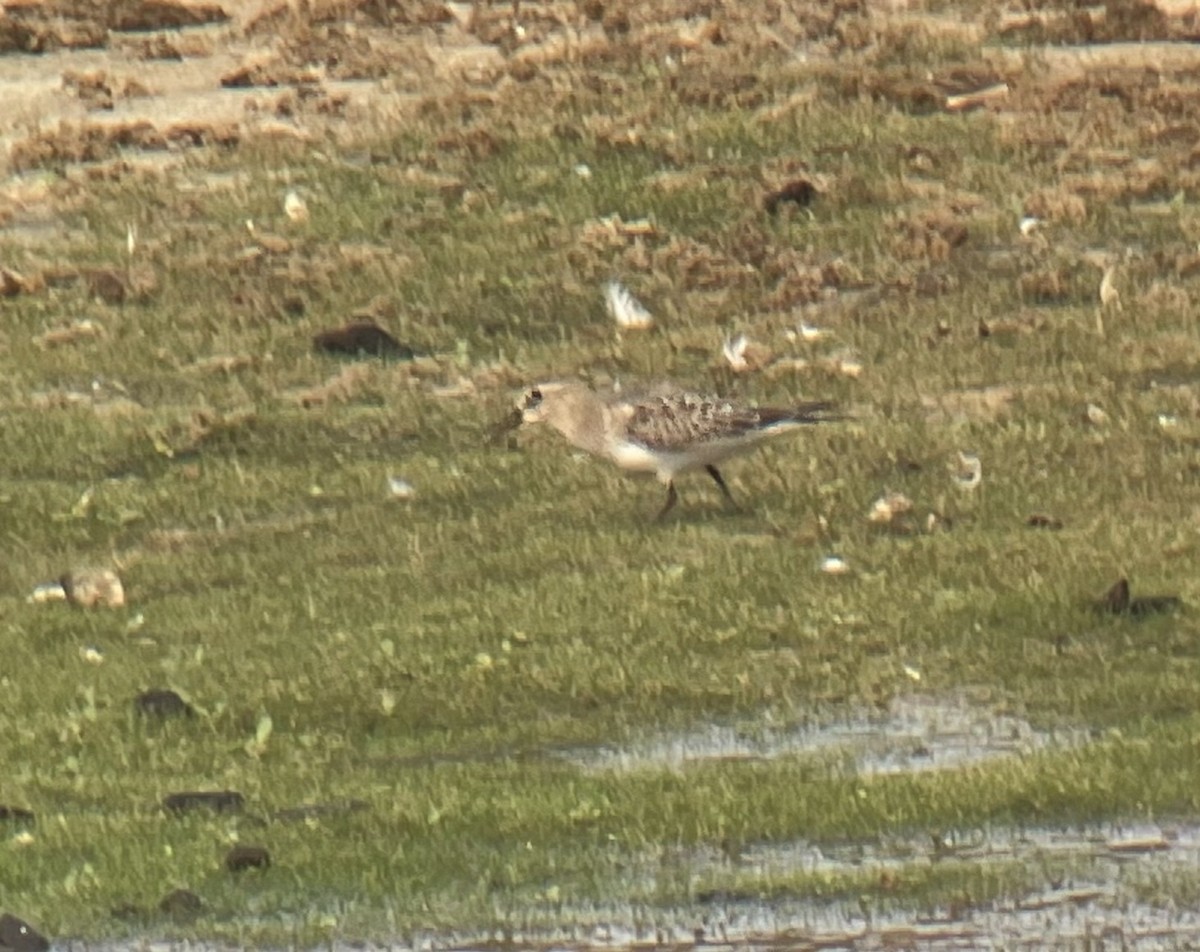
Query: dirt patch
x=148 y=81
x=138 y=82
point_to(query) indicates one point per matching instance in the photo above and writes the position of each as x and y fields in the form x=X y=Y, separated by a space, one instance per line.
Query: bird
x=664 y=430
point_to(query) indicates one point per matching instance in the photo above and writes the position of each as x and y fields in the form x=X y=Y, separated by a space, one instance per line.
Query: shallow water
x=1066 y=921
x=916 y=733
x=1095 y=878
x=1097 y=908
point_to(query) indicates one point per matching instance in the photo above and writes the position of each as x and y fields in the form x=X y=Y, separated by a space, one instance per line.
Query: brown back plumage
x=679 y=421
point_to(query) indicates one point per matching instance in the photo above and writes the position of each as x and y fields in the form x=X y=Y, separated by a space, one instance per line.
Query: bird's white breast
x=636 y=458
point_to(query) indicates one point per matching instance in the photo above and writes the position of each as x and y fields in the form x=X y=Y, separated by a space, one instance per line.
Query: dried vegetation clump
x=1122 y=20
x=39 y=26
x=72 y=143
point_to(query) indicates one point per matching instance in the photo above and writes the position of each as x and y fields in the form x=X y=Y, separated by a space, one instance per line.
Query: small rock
x=362 y=338
x=1119 y=601
x=799 y=192
x=1040 y=520
x=93 y=588
x=1116 y=599
x=247 y=857
x=182 y=905
x=160 y=702
x=16 y=935
x=105 y=284
x=219 y=801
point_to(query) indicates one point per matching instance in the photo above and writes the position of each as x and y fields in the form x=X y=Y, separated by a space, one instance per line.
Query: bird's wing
x=678 y=420
x=814 y=411
x=682 y=420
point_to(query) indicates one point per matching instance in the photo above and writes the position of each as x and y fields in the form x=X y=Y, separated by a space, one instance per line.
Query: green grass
x=426 y=656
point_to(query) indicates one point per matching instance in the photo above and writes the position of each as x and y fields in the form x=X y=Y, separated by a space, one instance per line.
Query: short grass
x=424 y=656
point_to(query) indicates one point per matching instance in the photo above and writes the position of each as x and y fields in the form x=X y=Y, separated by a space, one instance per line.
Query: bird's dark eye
x=533 y=398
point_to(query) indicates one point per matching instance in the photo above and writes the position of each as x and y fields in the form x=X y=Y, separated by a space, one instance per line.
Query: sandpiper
x=663 y=430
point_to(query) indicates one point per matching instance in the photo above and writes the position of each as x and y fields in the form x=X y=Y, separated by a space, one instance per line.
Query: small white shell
x=400 y=488
x=48 y=592
x=295 y=207
x=968 y=471
x=734 y=351
x=625 y=309
x=834 y=565
x=1108 y=289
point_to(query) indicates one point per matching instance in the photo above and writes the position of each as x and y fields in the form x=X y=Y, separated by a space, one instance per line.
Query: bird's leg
x=672 y=498
x=720 y=481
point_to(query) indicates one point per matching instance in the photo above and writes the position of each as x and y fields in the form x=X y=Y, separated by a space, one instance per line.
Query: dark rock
x=106 y=284
x=362 y=338
x=15 y=814
x=1155 y=604
x=219 y=801
x=183 y=905
x=800 y=192
x=16 y=935
x=161 y=702
x=1040 y=520
x=247 y=857
x=1118 y=600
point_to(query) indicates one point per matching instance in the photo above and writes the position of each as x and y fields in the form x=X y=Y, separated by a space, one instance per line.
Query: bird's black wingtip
x=820 y=411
